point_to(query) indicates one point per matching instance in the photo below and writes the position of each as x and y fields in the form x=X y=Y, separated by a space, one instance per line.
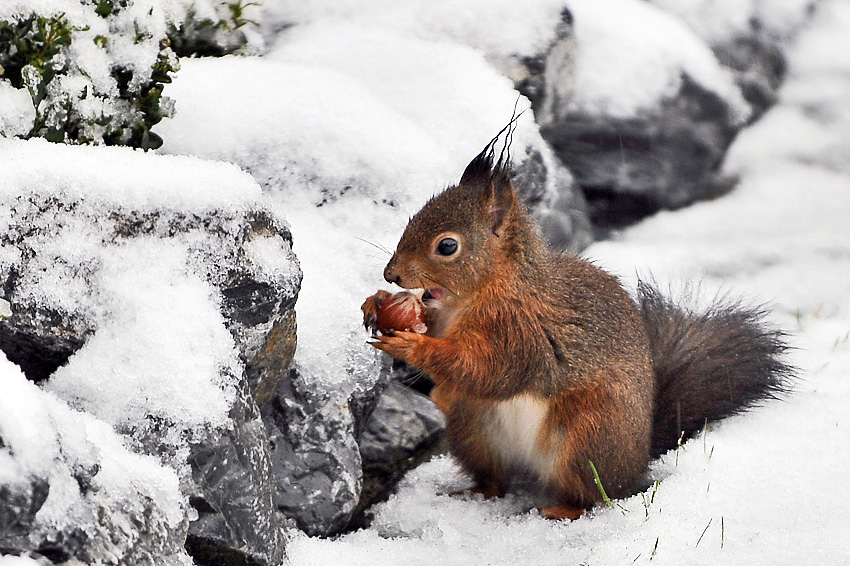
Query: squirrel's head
x=455 y=241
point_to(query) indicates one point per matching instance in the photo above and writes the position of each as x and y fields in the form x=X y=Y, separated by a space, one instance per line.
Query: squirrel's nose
x=390 y=274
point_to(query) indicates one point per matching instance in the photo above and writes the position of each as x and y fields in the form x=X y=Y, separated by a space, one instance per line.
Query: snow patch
x=171 y=359
x=497 y=27
x=18 y=114
x=630 y=55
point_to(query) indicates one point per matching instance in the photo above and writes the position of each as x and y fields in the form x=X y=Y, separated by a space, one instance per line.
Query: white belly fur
x=515 y=435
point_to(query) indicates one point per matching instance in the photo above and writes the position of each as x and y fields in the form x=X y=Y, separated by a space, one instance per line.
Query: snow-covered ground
x=385 y=118
x=763 y=488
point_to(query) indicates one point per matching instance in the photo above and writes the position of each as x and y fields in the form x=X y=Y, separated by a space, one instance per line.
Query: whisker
x=376 y=246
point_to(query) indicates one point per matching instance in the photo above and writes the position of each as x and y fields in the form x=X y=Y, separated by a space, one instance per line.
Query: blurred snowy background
x=147 y=297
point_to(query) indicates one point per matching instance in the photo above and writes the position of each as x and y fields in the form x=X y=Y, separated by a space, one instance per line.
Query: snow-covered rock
x=164 y=286
x=639 y=109
x=749 y=37
x=71 y=490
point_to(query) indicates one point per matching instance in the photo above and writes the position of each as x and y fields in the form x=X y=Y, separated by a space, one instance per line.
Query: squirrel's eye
x=447 y=246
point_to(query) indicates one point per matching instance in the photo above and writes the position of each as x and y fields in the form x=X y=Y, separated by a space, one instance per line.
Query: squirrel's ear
x=501 y=198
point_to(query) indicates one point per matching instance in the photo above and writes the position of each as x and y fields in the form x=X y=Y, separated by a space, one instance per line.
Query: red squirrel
x=545 y=367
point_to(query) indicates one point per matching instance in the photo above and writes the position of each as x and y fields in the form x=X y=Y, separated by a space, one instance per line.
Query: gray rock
x=404 y=422
x=18 y=506
x=759 y=65
x=260 y=311
x=548 y=188
x=153 y=542
x=668 y=158
x=315 y=456
x=236 y=522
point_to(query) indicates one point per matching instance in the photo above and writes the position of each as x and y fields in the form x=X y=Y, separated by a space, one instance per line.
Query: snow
x=18 y=114
x=630 y=54
x=719 y=21
x=386 y=118
x=172 y=376
x=499 y=27
x=45 y=440
x=101 y=176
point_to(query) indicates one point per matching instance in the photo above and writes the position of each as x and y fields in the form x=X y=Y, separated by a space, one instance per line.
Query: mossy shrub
x=95 y=72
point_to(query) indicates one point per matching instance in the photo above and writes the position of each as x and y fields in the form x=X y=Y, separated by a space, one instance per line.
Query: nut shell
x=402 y=311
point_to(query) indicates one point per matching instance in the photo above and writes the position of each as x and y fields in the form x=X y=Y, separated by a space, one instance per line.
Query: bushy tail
x=708 y=365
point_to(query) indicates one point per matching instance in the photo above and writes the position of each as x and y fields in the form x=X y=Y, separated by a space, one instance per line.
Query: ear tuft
x=492 y=177
x=485 y=168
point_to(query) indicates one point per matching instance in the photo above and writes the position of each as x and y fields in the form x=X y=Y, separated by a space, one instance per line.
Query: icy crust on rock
x=161 y=353
x=99 y=492
x=630 y=55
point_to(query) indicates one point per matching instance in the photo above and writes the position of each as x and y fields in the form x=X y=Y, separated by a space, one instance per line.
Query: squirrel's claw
x=370 y=310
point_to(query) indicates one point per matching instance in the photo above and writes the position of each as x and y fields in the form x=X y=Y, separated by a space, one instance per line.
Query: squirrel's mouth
x=432 y=295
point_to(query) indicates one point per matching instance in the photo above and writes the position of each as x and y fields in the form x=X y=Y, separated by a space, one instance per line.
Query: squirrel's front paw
x=401 y=345
x=370 y=310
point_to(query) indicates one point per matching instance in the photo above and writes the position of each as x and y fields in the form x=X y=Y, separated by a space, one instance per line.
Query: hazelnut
x=402 y=311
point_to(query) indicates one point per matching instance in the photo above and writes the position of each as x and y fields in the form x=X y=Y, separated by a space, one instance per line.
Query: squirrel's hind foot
x=562 y=512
